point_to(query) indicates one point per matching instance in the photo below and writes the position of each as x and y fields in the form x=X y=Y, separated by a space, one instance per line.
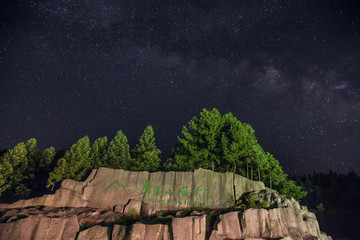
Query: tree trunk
x=252 y=175
x=247 y=170
x=259 y=173
x=270 y=183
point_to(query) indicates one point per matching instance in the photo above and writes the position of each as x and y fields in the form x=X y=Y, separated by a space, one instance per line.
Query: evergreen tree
x=60 y=172
x=6 y=170
x=47 y=158
x=145 y=154
x=21 y=168
x=216 y=142
x=224 y=144
x=97 y=152
x=20 y=163
x=118 y=153
x=74 y=165
x=33 y=158
x=79 y=163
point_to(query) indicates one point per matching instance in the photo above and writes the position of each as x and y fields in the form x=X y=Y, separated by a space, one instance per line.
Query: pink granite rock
x=38 y=227
x=96 y=233
x=133 y=207
x=106 y=188
x=268 y=224
x=154 y=232
x=228 y=227
x=192 y=228
x=119 y=232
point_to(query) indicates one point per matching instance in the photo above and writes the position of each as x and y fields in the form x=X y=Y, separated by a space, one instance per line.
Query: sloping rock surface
x=110 y=188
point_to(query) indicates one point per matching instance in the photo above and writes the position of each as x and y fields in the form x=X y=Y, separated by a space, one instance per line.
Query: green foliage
x=224 y=144
x=97 y=152
x=47 y=157
x=6 y=170
x=22 y=191
x=320 y=208
x=212 y=142
x=145 y=154
x=289 y=187
x=216 y=142
x=118 y=153
x=132 y=215
x=20 y=166
x=74 y=165
x=59 y=172
x=264 y=204
x=252 y=202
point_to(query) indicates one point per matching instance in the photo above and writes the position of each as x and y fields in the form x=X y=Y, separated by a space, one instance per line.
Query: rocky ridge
x=110 y=188
x=256 y=214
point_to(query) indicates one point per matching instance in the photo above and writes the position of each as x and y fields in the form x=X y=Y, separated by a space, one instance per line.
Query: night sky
x=291 y=69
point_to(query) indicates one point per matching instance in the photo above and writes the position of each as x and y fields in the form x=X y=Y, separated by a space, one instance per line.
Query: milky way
x=290 y=69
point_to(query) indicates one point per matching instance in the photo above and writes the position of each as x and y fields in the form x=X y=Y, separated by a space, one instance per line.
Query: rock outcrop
x=257 y=212
x=114 y=188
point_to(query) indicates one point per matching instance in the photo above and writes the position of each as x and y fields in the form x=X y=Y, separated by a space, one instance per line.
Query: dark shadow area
x=335 y=200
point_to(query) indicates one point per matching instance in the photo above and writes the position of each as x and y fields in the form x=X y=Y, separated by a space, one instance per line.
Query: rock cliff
x=110 y=188
x=118 y=204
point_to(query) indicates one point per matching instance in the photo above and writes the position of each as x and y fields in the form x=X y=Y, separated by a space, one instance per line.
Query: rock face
x=110 y=188
x=257 y=213
x=268 y=224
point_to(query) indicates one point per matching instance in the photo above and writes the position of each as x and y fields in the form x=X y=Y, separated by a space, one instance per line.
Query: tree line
x=215 y=142
x=334 y=198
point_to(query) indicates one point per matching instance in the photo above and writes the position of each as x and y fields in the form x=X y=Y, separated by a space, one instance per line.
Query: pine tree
x=74 y=165
x=118 y=153
x=22 y=167
x=79 y=163
x=33 y=158
x=60 y=172
x=6 y=170
x=97 y=152
x=145 y=154
x=47 y=157
x=224 y=144
x=215 y=142
x=14 y=164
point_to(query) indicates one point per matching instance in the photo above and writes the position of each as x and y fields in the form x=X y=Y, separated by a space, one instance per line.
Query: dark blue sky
x=290 y=69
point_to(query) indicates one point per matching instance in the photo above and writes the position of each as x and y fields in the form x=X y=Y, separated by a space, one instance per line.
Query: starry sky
x=291 y=69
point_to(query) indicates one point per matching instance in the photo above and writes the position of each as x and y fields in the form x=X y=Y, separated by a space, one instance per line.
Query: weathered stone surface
x=243 y=185
x=154 y=232
x=147 y=209
x=63 y=223
x=38 y=227
x=133 y=207
x=95 y=233
x=268 y=198
x=106 y=188
x=114 y=198
x=268 y=224
x=118 y=208
x=192 y=228
x=228 y=227
x=119 y=232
